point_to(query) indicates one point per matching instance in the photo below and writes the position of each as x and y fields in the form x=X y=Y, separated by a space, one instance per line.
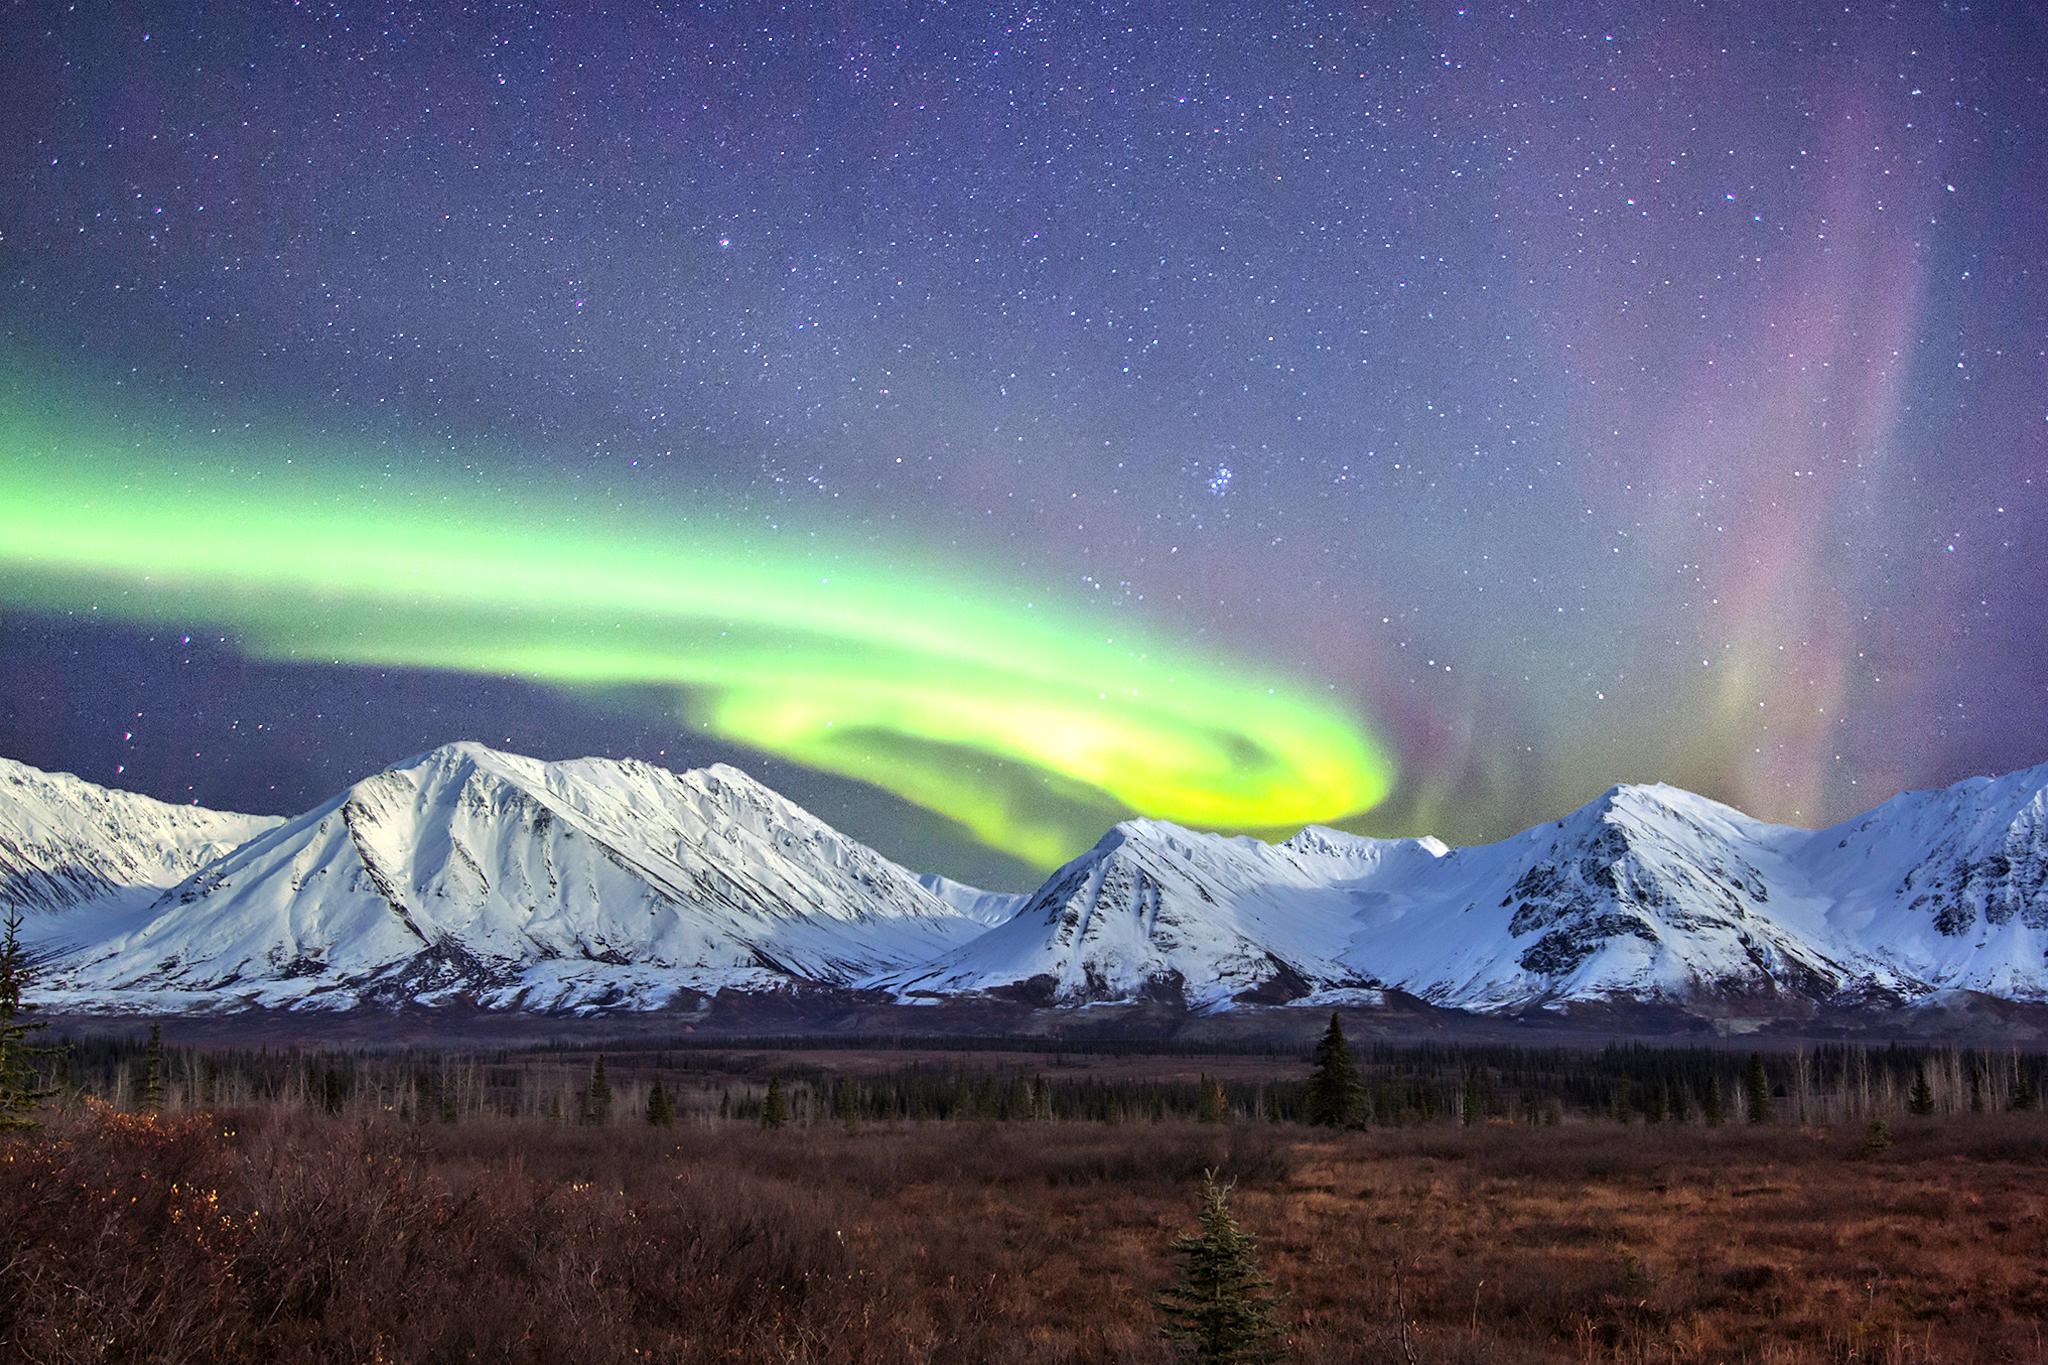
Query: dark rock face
x=1641 y=869
x=2006 y=883
x=1561 y=950
x=1283 y=985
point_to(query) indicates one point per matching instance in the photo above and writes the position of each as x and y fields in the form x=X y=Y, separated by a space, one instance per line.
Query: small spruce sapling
x=1219 y=1308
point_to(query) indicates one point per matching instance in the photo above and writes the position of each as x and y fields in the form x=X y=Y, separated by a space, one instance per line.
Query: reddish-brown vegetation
x=270 y=1233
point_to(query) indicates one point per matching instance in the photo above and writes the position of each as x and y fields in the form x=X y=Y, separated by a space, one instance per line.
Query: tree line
x=1338 y=1084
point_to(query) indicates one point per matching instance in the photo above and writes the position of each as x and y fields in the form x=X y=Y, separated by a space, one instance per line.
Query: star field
x=1569 y=393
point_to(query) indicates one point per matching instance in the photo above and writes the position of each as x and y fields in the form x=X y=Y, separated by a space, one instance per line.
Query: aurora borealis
x=890 y=678
x=985 y=424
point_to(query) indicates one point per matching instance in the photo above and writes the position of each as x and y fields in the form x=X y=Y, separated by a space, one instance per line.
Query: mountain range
x=469 y=877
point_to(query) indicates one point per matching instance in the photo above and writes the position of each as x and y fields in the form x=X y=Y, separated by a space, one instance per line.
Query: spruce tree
x=1921 y=1101
x=661 y=1108
x=1877 y=1139
x=1622 y=1103
x=1715 y=1109
x=597 y=1096
x=1336 y=1095
x=1976 y=1089
x=153 y=1071
x=1211 y=1105
x=2023 y=1096
x=332 y=1094
x=1653 y=1105
x=21 y=1085
x=774 y=1105
x=1472 y=1106
x=1759 y=1088
x=1219 y=1308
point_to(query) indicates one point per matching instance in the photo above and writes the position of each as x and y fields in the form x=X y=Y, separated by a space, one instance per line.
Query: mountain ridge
x=466 y=875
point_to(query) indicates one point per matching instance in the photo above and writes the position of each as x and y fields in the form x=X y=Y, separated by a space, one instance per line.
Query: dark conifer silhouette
x=1336 y=1095
x=1759 y=1090
x=597 y=1096
x=1921 y=1101
x=152 y=1089
x=774 y=1105
x=661 y=1107
x=22 y=1089
x=1211 y=1104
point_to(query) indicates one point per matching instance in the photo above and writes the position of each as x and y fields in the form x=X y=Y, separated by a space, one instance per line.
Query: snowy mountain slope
x=549 y=885
x=989 y=908
x=1155 y=911
x=66 y=843
x=470 y=875
x=1646 y=893
x=1949 y=888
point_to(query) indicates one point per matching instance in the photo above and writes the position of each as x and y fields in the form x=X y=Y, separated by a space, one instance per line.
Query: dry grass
x=269 y=1234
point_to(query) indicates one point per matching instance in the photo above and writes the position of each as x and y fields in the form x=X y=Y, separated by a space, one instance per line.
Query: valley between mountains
x=470 y=878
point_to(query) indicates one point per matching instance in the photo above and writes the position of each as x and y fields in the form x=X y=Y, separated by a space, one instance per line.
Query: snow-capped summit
x=1155 y=911
x=468 y=874
x=521 y=882
x=1947 y=887
x=1646 y=892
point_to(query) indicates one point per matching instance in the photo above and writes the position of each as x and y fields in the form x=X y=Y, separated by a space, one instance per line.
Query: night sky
x=983 y=423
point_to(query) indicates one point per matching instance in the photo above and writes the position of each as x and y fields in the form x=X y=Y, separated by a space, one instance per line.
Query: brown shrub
x=270 y=1234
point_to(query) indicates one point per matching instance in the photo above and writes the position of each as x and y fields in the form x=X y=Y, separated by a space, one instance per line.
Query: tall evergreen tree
x=152 y=1095
x=1759 y=1090
x=21 y=1086
x=2023 y=1097
x=1472 y=1105
x=661 y=1107
x=1621 y=1104
x=774 y=1105
x=1921 y=1101
x=1219 y=1308
x=597 y=1096
x=332 y=1093
x=1976 y=1088
x=1716 y=1108
x=1211 y=1105
x=1335 y=1096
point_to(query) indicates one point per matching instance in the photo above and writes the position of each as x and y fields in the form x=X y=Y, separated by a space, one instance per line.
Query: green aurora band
x=1019 y=721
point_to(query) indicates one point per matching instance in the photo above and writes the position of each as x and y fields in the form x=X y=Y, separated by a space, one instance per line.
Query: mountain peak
x=469 y=873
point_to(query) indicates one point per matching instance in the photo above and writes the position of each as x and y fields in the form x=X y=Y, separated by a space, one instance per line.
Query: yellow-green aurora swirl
x=902 y=671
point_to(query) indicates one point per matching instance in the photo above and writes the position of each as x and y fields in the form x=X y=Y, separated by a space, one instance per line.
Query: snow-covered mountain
x=1155 y=911
x=467 y=872
x=1946 y=888
x=467 y=875
x=985 y=907
x=65 y=842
